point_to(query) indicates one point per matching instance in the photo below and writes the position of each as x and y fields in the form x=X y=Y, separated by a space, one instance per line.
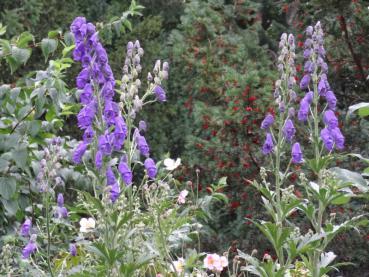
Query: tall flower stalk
x=297 y=252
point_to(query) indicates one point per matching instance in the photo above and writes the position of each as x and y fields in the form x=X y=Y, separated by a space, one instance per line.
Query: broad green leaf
x=8 y=186
x=21 y=55
x=341 y=200
x=364 y=107
x=20 y=157
x=350 y=177
x=24 y=39
x=48 y=46
x=11 y=207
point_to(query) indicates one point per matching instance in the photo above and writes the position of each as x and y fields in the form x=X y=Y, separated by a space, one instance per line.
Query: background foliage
x=222 y=56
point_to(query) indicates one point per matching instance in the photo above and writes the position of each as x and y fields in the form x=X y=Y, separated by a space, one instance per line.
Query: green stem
x=48 y=235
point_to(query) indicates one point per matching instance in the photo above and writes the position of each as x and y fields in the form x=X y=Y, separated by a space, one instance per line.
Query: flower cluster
x=284 y=95
x=315 y=70
x=100 y=118
x=107 y=124
x=215 y=263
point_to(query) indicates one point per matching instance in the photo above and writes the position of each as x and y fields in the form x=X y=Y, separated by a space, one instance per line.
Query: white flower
x=87 y=225
x=182 y=196
x=179 y=265
x=171 y=164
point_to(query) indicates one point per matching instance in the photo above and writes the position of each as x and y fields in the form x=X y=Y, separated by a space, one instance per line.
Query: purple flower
x=303 y=112
x=309 y=67
x=296 y=153
x=307 y=53
x=73 y=249
x=331 y=99
x=88 y=135
x=309 y=31
x=305 y=81
x=289 y=130
x=142 y=145
x=323 y=86
x=29 y=249
x=108 y=90
x=160 y=94
x=268 y=144
x=150 y=168
x=120 y=133
x=142 y=126
x=114 y=192
x=338 y=138
x=125 y=172
x=87 y=94
x=83 y=78
x=79 y=28
x=330 y=119
x=86 y=115
x=291 y=112
x=267 y=122
x=110 y=177
x=98 y=159
x=104 y=144
x=308 y=97
x=26 y=227
x=60 y=200
x=327 y=138
x=61 y=212
x=110 y=111
x=79 y=152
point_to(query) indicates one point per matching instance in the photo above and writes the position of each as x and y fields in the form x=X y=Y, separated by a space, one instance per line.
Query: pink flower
x=215 y=263
x=182 y=196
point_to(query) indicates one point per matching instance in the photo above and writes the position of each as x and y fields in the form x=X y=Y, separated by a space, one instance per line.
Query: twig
x=20 y=121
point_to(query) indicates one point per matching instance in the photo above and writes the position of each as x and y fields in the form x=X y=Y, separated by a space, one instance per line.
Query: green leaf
x=48 y=46
x=341 y=200
x=68 y=49
x=350 y=177
x=2 y=29
x=11 y=206
x=51 y=113
x=53 y=34
x=24 y=39
x=8 y=186
x=20 y=157
x=362 y=107
x=21 y=55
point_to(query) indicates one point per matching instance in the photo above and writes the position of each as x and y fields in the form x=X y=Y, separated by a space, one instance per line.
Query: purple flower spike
x=61 y=212
x=88 y=135
x=125 y=172
x=305 y=81
x=160 y=94
x=79 y=152
x=26 y=227
x=331 y=99
x=142 y=126
x=150 y=168
x=330 y=119
x=267 y=122
x=296 y=153
x=289 y=130
x=268 y=145
x=87 y=94
x=323 y=86
x=73 y=249
x=327 y=139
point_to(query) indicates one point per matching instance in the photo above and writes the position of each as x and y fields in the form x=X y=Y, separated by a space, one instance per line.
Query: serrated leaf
x=48 y=46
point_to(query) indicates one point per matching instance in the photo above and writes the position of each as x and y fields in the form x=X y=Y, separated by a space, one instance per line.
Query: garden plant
x=220 y=152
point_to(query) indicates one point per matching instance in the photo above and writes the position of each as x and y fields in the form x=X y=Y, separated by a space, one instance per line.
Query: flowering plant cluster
x=297 y=249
